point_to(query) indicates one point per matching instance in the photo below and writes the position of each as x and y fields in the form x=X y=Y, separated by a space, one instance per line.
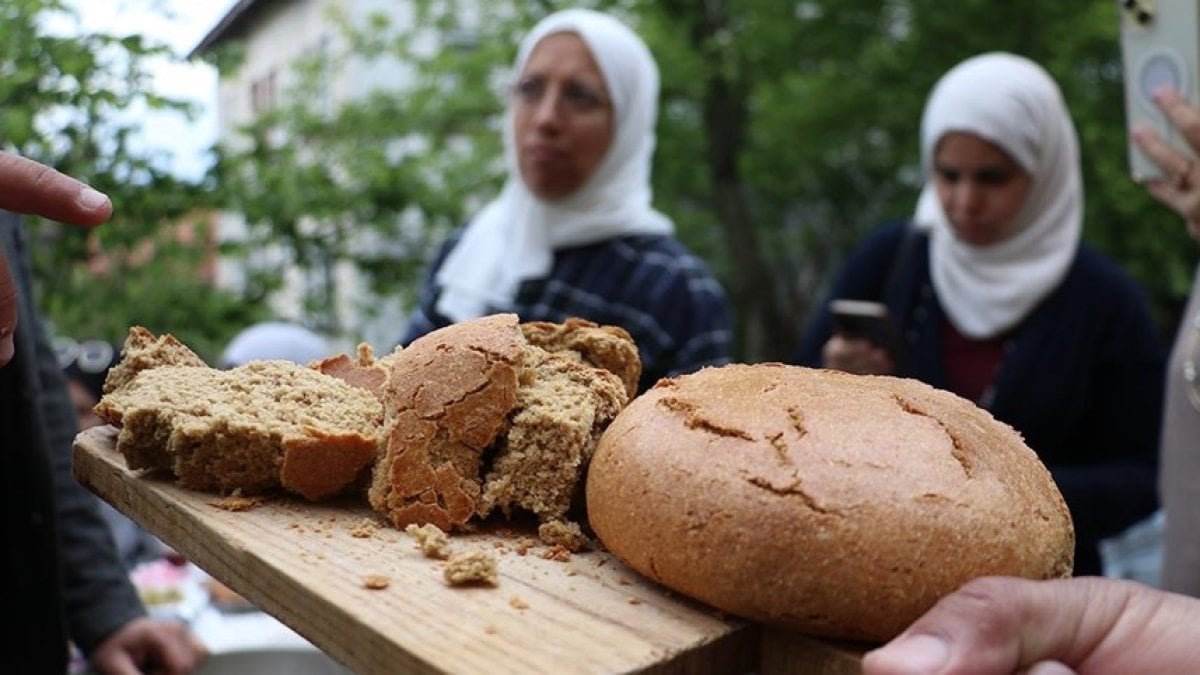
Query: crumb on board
x=563 y=533
x=236 y=502
x=624 y=581
x=633 y=600
x=490 y=629
x=432 y=541
x=557 y=553
x=517 y=602
x=376 y=582
x=365 y=529
x=523 y=545
x=472 y=567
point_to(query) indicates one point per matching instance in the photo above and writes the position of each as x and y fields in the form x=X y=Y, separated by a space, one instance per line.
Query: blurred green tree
x=788 y=131
x=68 y=102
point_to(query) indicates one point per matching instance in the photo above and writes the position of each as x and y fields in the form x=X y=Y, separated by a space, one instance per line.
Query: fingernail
x=89 y=198
x=916 y=654
x=6 y=349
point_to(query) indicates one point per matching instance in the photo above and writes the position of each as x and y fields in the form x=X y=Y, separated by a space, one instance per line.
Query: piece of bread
x=265 y=425
x=364 y=371
x=835 y=504
x=607 y=347
x=479 y=419
x=143 y=351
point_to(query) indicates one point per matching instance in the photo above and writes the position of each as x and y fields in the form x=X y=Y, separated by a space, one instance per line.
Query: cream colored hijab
x=514 y=237
x=1013 y=103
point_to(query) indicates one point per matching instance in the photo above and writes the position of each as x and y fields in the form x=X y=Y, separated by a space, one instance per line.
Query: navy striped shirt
x=651 y=286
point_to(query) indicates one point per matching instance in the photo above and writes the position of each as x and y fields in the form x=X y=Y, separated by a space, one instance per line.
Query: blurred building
x=270 y=38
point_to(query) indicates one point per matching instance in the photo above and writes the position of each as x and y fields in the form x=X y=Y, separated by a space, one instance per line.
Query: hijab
x=514 y=237
x=274 y=340
x=1013 y=103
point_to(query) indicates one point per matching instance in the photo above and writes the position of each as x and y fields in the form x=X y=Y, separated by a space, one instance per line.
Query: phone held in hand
x=1160 y=47
x=863 y=320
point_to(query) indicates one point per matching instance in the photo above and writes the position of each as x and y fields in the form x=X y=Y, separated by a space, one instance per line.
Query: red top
x=971 y=364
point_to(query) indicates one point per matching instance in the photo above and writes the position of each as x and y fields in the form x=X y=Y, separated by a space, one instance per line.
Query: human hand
x=1005 y=625
x=29 y=187
x=148 y=645
x=1181 y=189
x=856 y=355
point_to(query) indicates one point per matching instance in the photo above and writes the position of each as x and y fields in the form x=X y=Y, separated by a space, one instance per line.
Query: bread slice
x=259 y=427
x=480 y=419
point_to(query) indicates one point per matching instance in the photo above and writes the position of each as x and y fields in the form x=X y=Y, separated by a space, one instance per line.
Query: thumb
x=1005 y=625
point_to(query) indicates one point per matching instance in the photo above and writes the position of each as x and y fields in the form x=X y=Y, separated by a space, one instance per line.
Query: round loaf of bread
x=835 y=504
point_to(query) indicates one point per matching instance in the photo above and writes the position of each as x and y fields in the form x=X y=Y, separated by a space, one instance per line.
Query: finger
x=27 y=186
x=1170 y=160
x=1182 y=114
x=1001 y=625
x=1166 y=193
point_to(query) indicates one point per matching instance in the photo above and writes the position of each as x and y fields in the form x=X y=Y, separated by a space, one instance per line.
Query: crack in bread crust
x=482 y=418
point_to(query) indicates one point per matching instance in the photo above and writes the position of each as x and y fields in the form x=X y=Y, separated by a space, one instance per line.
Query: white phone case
x=1159 y=47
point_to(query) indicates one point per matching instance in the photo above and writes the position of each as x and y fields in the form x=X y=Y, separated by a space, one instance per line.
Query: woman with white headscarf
x=573 y=232
x=993 y=296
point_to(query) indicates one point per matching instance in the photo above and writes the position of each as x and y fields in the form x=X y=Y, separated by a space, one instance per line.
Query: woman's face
x=981 y=188
x=563 y=117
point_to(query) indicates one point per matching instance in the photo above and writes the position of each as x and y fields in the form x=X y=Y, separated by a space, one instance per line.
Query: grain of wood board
x=312 y=566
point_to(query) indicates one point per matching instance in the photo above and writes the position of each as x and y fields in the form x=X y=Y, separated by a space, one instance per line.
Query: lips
x=540 y=152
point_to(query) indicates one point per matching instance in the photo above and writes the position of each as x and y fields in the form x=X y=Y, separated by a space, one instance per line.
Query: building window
x=262 y=94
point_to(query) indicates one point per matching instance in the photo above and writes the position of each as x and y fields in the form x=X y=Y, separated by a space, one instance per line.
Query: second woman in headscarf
x=995 y=297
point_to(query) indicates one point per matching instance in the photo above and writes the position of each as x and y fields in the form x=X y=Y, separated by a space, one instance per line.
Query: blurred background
x=297 y=159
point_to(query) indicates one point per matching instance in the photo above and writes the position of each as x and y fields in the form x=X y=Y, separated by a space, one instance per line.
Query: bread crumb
x=557 y=553
x=236 y=502
x=471 y=568
x=563 y=533
x=432 y=541
x=490 y=629
x=365 y=529
x=634 y=601
x=376 y=582
x=624 y=581
x=518 y=603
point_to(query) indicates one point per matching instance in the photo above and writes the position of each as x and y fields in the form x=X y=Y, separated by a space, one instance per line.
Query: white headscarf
x=1013 y=103
x=514 y=237
x=274 y=340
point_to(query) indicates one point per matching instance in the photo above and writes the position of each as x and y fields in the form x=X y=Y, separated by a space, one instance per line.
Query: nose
x=967 y=197
x=547 y=110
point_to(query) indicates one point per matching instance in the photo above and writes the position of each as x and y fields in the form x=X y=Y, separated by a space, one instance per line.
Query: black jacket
x=1081 y=380
x=63 y=580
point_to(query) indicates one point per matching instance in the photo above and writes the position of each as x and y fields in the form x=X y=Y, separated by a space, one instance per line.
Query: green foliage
x=67 y=103
x=787 y=132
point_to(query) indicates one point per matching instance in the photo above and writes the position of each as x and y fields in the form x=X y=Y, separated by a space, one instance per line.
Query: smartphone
x=1159 y=47
x=863 y=320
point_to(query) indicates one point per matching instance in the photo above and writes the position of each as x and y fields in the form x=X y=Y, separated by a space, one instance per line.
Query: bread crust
x=480 y=419
x=835 y=504
x=448 y=398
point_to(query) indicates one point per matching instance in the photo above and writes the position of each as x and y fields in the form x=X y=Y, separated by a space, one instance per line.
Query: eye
x=582 y=97
x=947 y=175
x=993 y=176
x=529 y=90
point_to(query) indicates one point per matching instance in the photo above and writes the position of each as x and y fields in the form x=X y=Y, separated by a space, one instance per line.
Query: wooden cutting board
x=307 y=564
